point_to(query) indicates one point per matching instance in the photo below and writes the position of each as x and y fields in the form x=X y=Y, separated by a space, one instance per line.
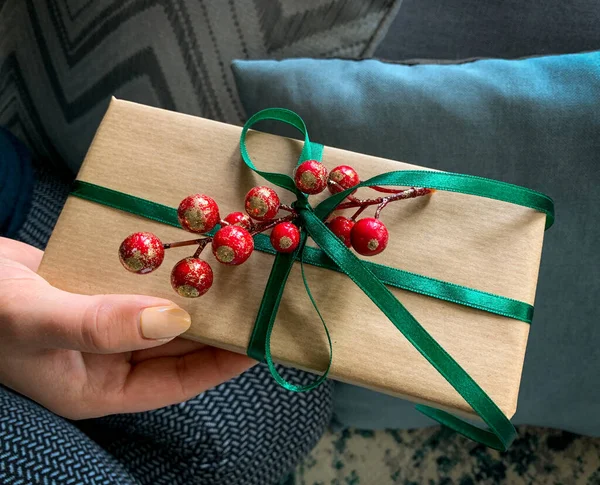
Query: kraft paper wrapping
x=480 y=243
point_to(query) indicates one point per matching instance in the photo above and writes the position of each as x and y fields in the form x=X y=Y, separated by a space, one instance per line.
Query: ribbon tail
x=269 y=305
x=466 y=429
x=259 y=347
x=502 y=432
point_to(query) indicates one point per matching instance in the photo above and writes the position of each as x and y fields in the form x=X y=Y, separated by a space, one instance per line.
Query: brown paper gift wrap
x=480 y=243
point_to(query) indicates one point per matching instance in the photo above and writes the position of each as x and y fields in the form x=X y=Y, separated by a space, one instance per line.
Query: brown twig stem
x=405 y=194
x=380 y=208
x=265 y=226
x=184 y=243
x=358 y=212
x=202 y=245
x=288 y=208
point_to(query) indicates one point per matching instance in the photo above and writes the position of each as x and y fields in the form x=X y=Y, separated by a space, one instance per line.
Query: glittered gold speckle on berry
x=233 y=243
x=262 y=203
x=191 y=277
x=341 y=178
x=311 y=177
x=141 y=253
x=198 y=213
x=285 y=237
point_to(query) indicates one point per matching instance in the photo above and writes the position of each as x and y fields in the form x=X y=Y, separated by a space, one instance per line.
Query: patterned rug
x=439 y=456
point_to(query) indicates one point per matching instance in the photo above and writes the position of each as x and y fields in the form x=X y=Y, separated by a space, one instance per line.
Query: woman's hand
x=88 y=356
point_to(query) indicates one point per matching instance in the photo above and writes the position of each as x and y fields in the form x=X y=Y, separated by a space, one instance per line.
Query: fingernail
x=162 y=322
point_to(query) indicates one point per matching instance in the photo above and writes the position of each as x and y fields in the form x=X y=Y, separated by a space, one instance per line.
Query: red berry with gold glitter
x=344 y=177
x=239 y=219
x=285 y=237
x=198 y=213
x=262 y=203
x=311 y=177
x=369 y=236
x=141 y=253
x=191 y=277
x=232 y=245
x=341 y=226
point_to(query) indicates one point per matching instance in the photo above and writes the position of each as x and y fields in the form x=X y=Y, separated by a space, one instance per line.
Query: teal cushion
x=533 y=122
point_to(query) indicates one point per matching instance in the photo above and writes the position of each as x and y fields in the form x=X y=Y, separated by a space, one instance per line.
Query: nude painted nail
x=162 y=322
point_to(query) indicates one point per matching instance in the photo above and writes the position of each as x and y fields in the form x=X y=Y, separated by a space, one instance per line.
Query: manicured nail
x=161 y=322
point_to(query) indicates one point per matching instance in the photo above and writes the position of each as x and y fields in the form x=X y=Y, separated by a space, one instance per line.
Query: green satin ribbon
x=398 y=278
x=501 y=431
x=370 y=277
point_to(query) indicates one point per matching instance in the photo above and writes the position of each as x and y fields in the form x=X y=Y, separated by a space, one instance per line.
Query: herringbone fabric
x=38 y=447
x=248 y=431
x=50 y=191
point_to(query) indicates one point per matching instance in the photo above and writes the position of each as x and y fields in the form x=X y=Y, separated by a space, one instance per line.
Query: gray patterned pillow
x=60 y=61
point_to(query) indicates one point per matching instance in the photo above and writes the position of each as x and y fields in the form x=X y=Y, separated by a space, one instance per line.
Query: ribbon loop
x=309 y=150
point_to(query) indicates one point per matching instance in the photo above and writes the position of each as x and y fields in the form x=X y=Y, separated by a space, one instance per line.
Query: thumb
x=100 y=323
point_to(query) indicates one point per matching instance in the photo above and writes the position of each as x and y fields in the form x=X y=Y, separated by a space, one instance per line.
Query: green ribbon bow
x=371 y=278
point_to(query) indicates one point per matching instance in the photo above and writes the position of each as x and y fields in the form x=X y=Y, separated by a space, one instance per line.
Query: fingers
x=118 y=323
x=175 y=348
x=51 y=318
x=20 y=252
x=164 y=381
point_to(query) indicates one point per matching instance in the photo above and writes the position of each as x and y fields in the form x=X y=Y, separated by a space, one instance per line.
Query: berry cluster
x=233 y=243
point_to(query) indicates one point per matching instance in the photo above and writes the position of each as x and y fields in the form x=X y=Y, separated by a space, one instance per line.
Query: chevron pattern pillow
x=60 y=61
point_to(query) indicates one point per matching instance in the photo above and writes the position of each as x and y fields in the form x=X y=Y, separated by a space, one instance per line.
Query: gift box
x=475 y=242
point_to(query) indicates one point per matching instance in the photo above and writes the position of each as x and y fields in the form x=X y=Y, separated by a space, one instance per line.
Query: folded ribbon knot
x=302 y=204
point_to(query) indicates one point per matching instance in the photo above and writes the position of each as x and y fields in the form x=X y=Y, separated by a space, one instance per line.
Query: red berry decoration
x=191 y=277
x=198 y=213
x=141 y=253
x=239 y=219
x=344 y=177
x=285 y=237
x=369 y=236
x=341 y=226
x=232 y=245
x=311 y=177
x=262 y=203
